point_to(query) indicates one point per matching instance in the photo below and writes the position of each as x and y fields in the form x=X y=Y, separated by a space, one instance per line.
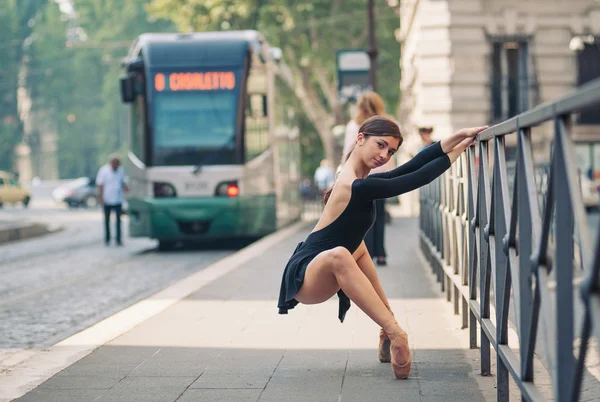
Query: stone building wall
x=446 y=58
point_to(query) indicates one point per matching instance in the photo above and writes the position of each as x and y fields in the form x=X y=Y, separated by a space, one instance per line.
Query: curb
x=23 y=231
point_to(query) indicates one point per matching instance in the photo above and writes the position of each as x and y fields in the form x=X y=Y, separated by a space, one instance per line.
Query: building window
x=588 y=69
x=510 y=80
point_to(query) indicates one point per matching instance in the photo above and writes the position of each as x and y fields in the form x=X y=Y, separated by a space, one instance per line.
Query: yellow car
x=11 y=191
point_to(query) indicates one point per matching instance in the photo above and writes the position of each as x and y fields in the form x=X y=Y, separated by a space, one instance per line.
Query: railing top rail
x=585 y=96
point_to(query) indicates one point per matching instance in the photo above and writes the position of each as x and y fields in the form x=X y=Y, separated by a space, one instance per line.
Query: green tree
x=74 y=75
x=309 y=33
x=9 y=119
x=16 y=18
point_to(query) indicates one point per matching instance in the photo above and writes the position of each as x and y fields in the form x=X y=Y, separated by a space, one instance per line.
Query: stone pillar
x=425 y=78
x=23 y=162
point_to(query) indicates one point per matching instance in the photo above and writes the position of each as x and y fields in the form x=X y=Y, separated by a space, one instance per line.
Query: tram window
x=257 y=133
x=138 y=120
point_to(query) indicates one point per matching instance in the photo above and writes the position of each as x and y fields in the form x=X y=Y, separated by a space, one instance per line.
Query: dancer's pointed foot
x=401 y=357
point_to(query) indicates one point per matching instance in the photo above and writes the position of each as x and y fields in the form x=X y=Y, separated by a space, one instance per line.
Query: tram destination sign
x=194 y=81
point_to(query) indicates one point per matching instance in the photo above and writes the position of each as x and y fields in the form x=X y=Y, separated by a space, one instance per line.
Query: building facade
x=475 y=62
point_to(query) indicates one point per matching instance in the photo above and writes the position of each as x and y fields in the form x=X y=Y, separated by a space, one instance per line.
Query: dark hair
x=376 y=126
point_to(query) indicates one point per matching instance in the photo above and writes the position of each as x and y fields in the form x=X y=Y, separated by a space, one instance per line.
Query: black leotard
x=349 y=229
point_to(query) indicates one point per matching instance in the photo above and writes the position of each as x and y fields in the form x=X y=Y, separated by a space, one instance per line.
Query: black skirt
x=293 y=277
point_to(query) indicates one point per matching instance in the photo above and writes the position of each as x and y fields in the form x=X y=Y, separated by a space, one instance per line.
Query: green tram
x=213 y=141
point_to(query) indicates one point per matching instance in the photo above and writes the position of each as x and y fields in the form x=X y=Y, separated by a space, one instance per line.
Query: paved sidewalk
x=226 y=342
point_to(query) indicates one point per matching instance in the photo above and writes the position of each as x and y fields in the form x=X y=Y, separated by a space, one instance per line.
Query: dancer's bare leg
x=335 y=269
x=365 y=263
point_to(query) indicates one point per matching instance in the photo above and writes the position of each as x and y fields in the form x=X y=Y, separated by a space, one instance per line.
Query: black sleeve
x=373 y=188
x=428 y=154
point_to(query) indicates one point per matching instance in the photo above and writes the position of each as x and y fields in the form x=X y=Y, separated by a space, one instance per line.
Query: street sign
x=353 y=74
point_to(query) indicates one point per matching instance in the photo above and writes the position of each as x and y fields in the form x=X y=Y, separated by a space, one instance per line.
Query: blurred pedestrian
x=368 y=105
x=324 y=176
x=111 y=186
x=306 y=189
x=425 y=139
x=415 y=144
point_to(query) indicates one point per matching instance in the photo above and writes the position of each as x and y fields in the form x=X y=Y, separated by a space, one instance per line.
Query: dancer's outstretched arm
x=460 y=148
x=428 y=154
x=373 y=188
x=431 y=152
x=449 y=143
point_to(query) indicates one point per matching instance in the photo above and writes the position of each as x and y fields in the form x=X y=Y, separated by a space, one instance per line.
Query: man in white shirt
x=111 y=186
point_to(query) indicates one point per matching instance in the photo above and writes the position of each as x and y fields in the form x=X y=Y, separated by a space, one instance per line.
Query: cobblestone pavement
x=54 y=286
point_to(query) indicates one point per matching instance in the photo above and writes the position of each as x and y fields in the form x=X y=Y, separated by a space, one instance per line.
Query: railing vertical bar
x=449 y=234
x=465 y=313
x=484 y=262
x=502 y=290
x=528 y=211
x=472 y=261
x=563 y=268
x=440 y=232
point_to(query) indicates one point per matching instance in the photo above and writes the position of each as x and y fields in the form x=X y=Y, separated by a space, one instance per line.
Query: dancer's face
x=376 y=151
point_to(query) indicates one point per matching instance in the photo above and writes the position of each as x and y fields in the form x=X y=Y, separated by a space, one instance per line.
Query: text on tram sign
x=208 y=81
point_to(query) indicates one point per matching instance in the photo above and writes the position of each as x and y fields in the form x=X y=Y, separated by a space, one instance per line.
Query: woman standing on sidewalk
x=368 y=105
x=334 y=259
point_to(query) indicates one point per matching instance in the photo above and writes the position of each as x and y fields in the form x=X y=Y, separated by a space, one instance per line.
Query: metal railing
x=492 y=250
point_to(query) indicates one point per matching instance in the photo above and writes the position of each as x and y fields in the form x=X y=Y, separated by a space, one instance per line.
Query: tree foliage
x=309 y=33
x=69 y=64
x=73 y=77
x=15 y=29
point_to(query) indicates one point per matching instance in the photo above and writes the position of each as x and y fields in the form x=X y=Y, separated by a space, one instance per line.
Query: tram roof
x=164 y=50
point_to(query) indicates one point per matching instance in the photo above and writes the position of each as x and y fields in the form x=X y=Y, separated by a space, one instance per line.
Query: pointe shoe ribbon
x=383 y=352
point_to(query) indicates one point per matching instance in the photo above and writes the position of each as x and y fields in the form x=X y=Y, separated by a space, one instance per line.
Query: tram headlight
x=164 y=190
x=228 y=189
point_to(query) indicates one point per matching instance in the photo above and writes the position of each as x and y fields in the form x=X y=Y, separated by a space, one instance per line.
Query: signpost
x=353 y=67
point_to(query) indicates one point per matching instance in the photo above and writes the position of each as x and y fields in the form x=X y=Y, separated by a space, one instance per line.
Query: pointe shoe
x=384 y=347
x=401 y=363
x=383 y=351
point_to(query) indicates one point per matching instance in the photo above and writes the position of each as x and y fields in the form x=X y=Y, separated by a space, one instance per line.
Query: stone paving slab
x=226 y=342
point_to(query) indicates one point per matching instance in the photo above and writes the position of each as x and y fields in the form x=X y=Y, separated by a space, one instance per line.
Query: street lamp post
x=372 y=49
